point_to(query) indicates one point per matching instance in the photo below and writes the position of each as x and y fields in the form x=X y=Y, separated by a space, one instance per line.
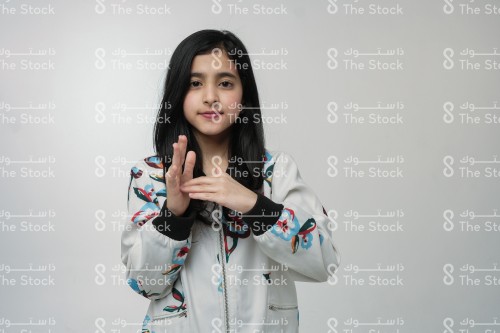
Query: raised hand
x=221 y=189
x=178 y=201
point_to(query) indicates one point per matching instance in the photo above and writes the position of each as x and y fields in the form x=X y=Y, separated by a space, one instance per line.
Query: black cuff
x=267 y=214
x=173 y=226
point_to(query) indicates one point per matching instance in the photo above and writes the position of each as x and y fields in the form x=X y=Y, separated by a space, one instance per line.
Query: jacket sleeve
x=292 y=228
x=154 y=242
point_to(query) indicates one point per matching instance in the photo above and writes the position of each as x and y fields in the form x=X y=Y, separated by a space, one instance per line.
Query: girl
x=220 y=228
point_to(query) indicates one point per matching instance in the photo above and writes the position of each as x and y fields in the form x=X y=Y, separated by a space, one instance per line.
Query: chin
x=212 y=131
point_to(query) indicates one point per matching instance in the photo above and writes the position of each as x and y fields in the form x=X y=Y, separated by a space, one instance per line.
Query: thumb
x=171 y=176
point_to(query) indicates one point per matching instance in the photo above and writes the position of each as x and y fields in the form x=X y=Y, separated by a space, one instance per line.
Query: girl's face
x=215 y=86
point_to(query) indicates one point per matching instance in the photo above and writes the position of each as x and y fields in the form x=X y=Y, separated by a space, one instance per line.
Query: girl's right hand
x=178 y=201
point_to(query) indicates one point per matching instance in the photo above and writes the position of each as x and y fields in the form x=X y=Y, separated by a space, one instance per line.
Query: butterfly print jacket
x=237 y=274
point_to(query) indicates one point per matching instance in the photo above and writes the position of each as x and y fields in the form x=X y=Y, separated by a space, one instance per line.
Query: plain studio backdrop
x=390 y=108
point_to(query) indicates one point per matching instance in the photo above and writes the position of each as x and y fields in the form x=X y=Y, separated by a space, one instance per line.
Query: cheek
x=232 y=99
x=189 y=103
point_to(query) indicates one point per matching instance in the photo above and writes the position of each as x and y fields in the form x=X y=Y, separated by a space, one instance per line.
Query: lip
x=211 y=114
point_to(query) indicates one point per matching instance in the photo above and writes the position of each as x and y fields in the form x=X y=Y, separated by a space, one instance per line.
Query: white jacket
x=225 y=277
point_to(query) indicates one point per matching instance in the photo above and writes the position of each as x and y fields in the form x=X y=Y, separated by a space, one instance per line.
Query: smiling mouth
x=211 y=112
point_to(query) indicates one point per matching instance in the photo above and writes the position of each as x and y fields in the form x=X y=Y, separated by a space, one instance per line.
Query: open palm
x=178 y=201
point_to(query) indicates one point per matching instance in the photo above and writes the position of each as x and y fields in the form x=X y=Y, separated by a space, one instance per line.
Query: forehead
x=213 y=63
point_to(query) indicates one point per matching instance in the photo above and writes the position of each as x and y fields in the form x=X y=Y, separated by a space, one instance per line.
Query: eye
x=226 y=84
x=195 y=83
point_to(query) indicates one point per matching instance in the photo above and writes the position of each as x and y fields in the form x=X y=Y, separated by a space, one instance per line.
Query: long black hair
x=247 y=134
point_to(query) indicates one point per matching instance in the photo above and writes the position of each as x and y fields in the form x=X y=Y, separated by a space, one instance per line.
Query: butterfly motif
x=137 y=287
x=304 y=236
x=154 y=162
x=178 y=296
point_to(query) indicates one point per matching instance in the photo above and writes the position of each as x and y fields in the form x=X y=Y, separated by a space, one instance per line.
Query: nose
x=210 y=95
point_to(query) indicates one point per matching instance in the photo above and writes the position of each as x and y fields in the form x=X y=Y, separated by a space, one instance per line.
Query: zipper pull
x=285 y=307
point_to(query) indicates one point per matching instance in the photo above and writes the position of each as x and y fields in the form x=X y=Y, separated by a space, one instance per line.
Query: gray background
x=93 y=134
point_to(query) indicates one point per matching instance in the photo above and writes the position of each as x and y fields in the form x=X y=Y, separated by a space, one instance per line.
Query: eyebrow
x=218 y=75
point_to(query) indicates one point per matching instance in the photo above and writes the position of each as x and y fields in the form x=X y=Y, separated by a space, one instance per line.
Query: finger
x=175 y=158
x=199 y=188
x=171 y=175
x=203 y=180
x=182 y=148
x=201 y=196
x=189 y=165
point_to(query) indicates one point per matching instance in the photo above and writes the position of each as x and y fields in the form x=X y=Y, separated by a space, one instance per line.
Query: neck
x=213 y=145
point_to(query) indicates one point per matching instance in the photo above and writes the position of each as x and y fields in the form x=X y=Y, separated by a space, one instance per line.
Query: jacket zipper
x=282 y=307
x=223 y=261
x=183 y=313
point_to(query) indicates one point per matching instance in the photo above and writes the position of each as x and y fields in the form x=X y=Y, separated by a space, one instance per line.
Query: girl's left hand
x=223 y=190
